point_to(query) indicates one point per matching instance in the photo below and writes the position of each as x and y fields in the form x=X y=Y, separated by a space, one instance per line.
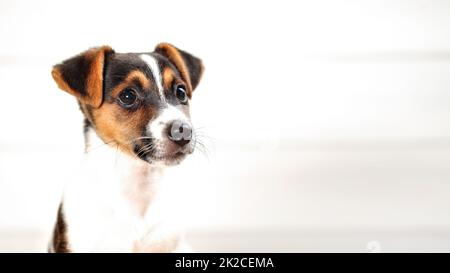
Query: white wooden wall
x=320 y=115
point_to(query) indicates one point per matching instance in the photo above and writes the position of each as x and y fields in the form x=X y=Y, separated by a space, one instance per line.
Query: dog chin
x=168 y=160
x=174 y=159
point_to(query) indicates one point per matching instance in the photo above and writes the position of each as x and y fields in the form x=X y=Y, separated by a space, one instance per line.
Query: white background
x=327 y=122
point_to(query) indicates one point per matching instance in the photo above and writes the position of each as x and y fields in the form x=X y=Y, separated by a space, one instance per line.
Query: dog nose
x=180 y=132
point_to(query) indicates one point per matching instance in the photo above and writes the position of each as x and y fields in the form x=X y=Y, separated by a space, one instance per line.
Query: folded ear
x=82 y=75
x=190 y=67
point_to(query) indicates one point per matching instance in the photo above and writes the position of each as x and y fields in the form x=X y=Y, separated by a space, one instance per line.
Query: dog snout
x=180 y=132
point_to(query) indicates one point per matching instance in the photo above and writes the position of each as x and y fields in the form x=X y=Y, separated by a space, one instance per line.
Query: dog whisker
x=145 y=149
x=200 y=145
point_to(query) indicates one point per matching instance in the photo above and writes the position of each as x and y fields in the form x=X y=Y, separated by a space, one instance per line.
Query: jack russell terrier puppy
x=136 y=108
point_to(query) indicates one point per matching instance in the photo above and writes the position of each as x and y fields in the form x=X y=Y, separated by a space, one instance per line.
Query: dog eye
x=128 y=97
x=180 y=92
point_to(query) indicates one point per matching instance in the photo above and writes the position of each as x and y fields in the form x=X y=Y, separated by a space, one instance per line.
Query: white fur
x=154 y=67
x=103 y=205
x=156 y=126
x=117 y=202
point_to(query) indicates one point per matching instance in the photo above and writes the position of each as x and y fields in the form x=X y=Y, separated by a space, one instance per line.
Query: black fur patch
x=60 y=243
x=79 y=66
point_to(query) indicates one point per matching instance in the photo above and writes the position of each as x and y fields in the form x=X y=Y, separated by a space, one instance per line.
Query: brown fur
x=168 y=76
x=95 y=78
x=120 y=126
x=133 y=75
x=59 y=241
x=62 y=84
x=94 y=81
x=117 y=125
x=174 y=56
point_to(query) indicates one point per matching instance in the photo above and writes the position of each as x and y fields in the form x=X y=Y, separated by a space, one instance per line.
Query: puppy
x=136 y=110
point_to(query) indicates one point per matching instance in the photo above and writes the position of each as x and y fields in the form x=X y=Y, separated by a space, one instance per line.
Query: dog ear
x=82 y=75
x=190 y=67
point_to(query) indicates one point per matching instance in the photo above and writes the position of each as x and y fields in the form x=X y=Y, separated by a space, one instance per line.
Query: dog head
x=136 y=102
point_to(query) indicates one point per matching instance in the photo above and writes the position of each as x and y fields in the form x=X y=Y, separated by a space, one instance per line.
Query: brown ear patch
x=82 y=75
x=189 y=66
x=62 y=84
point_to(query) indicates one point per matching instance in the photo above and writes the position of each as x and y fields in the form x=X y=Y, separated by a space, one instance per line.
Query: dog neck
x=130 y=178
x=118 y=198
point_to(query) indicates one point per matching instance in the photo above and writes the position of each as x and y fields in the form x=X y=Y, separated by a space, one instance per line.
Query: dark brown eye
x=180 y=92
x=128 y=97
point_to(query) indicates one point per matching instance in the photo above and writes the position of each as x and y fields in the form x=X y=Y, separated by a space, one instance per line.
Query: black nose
x=180 y=132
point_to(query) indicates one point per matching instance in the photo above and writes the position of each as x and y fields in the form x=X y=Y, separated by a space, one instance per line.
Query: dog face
x=136 y=102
